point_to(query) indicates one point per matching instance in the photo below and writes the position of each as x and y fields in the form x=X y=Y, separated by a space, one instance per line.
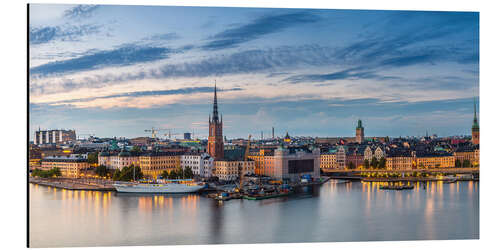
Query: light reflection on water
x=351 y=211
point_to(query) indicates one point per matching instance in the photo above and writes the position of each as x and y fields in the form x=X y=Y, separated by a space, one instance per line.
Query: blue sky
x=117 y=70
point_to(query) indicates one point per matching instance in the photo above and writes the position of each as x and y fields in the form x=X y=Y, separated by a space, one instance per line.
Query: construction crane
x=170 y=133
x=89 y=135
x=153 y=131
x=247 y=151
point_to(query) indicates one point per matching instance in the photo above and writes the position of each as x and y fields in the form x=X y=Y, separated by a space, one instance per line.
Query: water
x=333 y=212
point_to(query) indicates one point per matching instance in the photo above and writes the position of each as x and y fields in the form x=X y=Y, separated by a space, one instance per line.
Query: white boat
x=171 y=186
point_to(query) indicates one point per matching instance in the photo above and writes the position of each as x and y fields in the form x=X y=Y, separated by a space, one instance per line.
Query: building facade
x=264 y=161
x=54 y=136
x=117 y=161
x=215 y=145
x=71 y=166
x=360 y=132
x=153 y=164
x=435 y=161
x=200 y=163
x=400 y=162
x=328 y=160
x=341 y=157
x=230 y=170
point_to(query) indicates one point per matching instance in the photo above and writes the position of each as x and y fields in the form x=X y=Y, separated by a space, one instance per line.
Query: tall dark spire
x=475 y=124
x=215 y=115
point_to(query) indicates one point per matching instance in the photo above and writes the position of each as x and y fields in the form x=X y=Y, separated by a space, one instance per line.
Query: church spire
x=215 y=115
x=475 y=124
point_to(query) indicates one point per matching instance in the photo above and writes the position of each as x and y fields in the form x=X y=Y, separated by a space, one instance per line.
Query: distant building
x=215 y=139
x=70 y=165
x=141 y=141
x=475 y=127
x=54 y=136
x=287 y=138
x=360 y=133
x=187 y=136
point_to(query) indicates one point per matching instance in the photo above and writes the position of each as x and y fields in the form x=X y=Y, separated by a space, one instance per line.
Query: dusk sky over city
x=118 y=70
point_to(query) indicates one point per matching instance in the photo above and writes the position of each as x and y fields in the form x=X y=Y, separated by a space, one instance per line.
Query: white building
x=201 y=164
x=117 y=161
x=54 y=136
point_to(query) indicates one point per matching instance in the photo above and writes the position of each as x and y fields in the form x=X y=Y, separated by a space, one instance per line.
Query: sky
x=113 y=70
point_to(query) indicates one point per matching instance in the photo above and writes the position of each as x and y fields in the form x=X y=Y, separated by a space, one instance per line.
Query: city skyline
x=100 y=70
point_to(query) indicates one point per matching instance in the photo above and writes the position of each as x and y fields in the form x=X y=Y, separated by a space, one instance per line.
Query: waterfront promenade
x=75 y=184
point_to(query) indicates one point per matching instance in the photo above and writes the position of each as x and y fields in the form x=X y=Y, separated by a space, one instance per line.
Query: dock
x=73 y=184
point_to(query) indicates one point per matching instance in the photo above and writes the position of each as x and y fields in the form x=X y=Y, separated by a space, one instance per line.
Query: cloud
x=42 y=35
x=262 y=26
x=181 y=91
x=122 y=56
x=80 y=11
x=163 y=37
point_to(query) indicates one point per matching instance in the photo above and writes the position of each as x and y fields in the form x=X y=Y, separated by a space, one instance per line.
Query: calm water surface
x=332 y=212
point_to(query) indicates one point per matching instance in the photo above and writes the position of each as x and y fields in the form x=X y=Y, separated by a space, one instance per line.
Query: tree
x=55 y=172
x=116 y=175
x=179 y=173
x=164 y=174
x=374 y=162
x=188 y=173
x=93 y=158
x=351 y=165
x=466 y=164
x=172 y=174
x=135 y=150
x=381 y=163
x=366 y=163
x=101 y=170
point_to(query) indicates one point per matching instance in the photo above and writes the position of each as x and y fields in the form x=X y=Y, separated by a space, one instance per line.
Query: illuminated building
x=341 y=157
x=328 y=160
x=287 y=163
x=54 y=136
x=399 y=161
x=468 y=153
x=215 y=139
x=426 y=160
x=287 y=138
x=70 y=165
x=153 y=164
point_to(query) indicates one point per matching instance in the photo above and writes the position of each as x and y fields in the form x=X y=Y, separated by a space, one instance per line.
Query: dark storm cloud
x=262 y=26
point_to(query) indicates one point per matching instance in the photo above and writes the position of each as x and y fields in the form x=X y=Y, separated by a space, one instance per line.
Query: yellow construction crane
x=247 y=150
x=154 y=131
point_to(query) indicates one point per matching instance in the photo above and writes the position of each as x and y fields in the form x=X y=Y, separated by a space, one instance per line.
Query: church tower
x=215 y=139
x=475 y=127
x=360 y=133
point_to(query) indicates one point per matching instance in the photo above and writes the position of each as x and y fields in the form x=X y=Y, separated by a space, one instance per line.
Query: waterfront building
x=475 y=127
x=154 y=163
x=70 y=165
x=54 y=136
x=429 y=160
x=117 y=160
x=467 y=153
x=287 y=163
x=227 y=170
x=353 y=157
x=215 y=139
x=200 y=163
x=400 y=161
x=360 y=133
x=264 y=161
x=328 y=160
